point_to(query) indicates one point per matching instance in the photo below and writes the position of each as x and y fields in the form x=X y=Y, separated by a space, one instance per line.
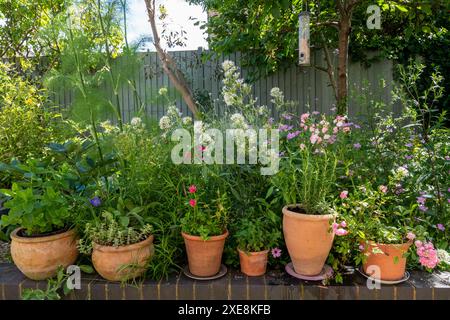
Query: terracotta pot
x=253 y=263
x=308 y=239
x=39 y=257
x=204 y=256
x=124 y=262
x=392 y=262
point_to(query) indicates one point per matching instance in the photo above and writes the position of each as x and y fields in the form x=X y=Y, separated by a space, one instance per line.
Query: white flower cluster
x=443 y=256
x=203 y=138
x=173 y=112
x=187 y=121
x=163 y=91
x=276 y=93
x=137 y=122
x=238 y=121
x=165 y=123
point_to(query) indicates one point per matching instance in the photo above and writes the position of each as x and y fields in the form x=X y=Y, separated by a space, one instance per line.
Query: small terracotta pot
x=253 y=263
x=391 y=263
x=38 y=258
x=124 y=262
x=308 y=239
x=204 y=256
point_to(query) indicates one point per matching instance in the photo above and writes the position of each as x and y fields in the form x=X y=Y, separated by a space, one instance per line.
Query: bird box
x=303 y=39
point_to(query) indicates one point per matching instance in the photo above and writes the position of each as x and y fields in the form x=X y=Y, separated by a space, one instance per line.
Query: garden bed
x=275 y=285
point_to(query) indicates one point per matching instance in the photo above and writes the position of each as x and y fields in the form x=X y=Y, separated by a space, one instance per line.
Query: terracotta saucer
x=405 y=277
x=327 y=272
x=223 y=271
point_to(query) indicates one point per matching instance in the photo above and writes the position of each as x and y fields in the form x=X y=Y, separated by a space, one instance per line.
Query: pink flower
x=344 y=194
x=341 y=232
x=346 y=129
x=324 y=129
x=423 y=208
x=418 y=243
x=202 y=148
x=314 y=138
x=343 y=224
x=383 y=189
x=304 y=117
x=357 y=146
x=334 y=226
x=302 y=146
x=192 y=189
x=361 y=247
x=410 y=236
x=276 y=252
x=440 y=227
x=427 y=255
x=192 y=203
x=421 y=200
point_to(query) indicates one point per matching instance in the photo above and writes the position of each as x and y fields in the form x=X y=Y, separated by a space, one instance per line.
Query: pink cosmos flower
x=192 y=189
x=440 y=226
x=192 y=203
x=383 y=189
x=344 y=194
x=410 y=236
x=276 y=252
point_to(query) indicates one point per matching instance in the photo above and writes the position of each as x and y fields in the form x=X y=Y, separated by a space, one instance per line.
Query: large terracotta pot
x=253 y=263
x=124 y=262
x=204 y=256
x=308 y=239
x=391 y=262
x=39 y=257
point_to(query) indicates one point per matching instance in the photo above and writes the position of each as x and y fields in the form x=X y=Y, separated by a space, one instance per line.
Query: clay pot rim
x=38 y=239
x=254 y=253
x=406 y=244
x=211 y=238
x=130 y=247
x=304 y=216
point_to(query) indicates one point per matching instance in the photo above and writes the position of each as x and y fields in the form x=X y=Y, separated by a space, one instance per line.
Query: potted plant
x=121 y=242
x=306 y=180
x=381 y=228
x=44 y=239
x=204 y=229
x=255 y=237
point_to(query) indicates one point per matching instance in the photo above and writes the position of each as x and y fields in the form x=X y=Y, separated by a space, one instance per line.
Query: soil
x=21 y=233
x=297 y=210
x=4 y=252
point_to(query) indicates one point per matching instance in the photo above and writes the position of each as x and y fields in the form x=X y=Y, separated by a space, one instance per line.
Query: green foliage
x=115 y=230
x=26 y=126
x=37 y=211
x=205 y=217
x=255 y=234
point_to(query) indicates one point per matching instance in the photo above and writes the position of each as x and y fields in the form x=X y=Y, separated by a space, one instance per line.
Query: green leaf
x=86 y=268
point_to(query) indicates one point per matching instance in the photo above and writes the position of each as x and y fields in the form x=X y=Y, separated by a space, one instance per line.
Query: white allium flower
x=136 y=122
x=165 y=123
x=187 y=121
x=163 y=91
x=227 y=65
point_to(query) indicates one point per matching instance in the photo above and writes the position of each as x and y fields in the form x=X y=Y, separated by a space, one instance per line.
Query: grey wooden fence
x=306 y=85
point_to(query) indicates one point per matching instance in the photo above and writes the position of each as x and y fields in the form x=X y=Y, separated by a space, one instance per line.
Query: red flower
x=192 y=189
x=192 y=202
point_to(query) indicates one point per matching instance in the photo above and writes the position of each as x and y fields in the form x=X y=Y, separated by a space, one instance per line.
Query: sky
x=178 y=11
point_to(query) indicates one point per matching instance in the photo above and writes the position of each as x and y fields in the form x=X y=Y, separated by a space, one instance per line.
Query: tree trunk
x=169 y=65
x=344 y=33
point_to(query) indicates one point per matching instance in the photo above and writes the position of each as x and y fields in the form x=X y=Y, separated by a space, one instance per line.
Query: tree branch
x=169 y=65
